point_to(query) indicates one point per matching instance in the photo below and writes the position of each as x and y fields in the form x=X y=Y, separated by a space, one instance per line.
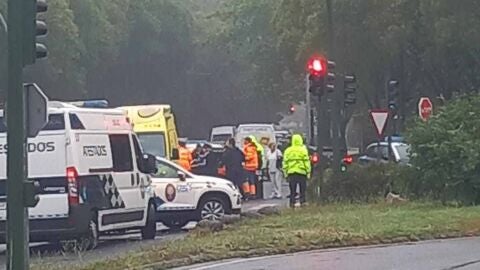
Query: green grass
x=310 y=228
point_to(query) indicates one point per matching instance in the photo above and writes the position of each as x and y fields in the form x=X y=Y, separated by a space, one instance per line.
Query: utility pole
x=23 y=49
x=17 y=217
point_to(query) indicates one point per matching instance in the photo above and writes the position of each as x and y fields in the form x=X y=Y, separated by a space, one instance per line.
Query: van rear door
x=47 y=165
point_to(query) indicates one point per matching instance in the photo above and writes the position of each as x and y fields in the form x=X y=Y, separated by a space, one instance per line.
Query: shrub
x=446 y=151
x=365 y=183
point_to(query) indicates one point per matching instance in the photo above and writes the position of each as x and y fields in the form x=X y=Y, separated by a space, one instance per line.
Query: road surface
x=114 y=246
x=453 y=254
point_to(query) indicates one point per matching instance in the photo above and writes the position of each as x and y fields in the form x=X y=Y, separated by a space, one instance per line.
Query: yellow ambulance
x=155 y=128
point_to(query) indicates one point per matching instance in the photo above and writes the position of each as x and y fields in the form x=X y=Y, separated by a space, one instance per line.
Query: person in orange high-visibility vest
x=185 y=156
x=250 y=166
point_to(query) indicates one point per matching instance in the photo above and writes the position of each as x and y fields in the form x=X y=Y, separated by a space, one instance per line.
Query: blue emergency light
x=94 y=103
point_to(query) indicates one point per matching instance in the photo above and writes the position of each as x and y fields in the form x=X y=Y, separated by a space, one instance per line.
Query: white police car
x=181 y=197
x=92 y=174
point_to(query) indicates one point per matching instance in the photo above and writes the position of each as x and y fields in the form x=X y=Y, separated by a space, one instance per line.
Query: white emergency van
x=92 y=174
x=258 y=130
x=182 y=196
x=221 y=134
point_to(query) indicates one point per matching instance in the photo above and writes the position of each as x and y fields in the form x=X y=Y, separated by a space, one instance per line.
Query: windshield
x=403 y=152
x=221 y=138
x=153 y=143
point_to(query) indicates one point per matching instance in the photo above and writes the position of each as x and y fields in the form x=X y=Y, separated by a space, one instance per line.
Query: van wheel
x=150 y=229
x=211 y=208
x=88 y=241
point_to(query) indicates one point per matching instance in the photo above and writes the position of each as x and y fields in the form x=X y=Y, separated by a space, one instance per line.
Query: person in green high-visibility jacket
x=297 y=168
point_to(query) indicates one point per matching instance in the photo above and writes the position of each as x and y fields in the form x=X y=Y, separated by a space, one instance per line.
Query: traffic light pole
x=17 y=217
x=336 y=117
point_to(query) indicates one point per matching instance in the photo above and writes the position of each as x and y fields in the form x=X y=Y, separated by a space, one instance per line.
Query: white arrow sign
x=379 y=118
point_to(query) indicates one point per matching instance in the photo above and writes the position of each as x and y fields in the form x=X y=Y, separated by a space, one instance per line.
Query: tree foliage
x=222 y=62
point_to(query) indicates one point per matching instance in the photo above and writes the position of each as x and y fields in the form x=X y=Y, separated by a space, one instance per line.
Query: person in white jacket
x=274 y=160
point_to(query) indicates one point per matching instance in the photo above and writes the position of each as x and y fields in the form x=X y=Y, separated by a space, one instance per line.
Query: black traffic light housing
x=34 y=27
x=350 y=90
x=330 y=81
x=393 y=93
x=31 y=189
x=316 y=85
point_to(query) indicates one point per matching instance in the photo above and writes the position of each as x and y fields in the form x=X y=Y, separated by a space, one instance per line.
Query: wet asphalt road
x=114 y=246
x=454 y=254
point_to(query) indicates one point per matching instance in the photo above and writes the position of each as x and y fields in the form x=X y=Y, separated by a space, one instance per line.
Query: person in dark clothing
x=211 y=161
x=233 y=159
x=199 y=160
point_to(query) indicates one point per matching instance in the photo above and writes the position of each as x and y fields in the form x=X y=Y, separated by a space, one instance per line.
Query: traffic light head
x=317 y=66
x=393 y=94
x=330 y=85
x=350 y=89
x=346 y=161
x=34 y=28
x=291 y=109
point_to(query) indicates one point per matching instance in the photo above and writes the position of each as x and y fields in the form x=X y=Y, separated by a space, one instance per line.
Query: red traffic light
x=317 y=66
x=347 y=160
x=292 y=109
x=314 y=158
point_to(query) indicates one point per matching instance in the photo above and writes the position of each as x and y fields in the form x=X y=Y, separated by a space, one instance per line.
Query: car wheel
x=211 y=208
x=150 y=229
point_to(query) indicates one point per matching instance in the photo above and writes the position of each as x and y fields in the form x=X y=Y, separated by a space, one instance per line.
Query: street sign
x=425 y=108
x=379 y=119
x=36 y=114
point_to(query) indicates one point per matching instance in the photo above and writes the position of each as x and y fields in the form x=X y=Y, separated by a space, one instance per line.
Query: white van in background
x=92 y=174
x=258 y=130
x=221 y=134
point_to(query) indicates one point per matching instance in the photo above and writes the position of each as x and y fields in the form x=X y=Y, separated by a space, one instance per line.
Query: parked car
x=399 y=153
x=182 y=197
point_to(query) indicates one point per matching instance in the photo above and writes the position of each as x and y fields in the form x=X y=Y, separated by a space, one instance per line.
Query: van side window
x=121 y=153
x=55 y=122
x=75 y=122
x=138 y=154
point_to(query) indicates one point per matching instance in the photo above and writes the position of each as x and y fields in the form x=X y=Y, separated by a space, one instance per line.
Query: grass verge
x=310 y=228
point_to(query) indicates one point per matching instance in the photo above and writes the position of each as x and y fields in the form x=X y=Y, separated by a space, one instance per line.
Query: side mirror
x=182 y=176
x=149 y=164
x=175 y=154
